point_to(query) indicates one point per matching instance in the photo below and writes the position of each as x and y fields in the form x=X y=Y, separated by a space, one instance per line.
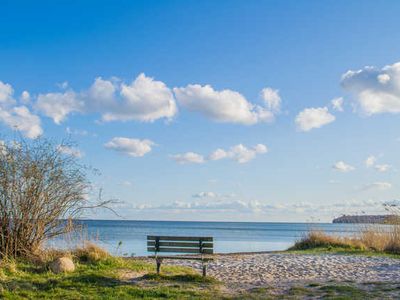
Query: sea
x=128 y=238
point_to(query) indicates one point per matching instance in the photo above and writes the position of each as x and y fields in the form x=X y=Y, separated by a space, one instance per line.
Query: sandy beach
x=246 y=271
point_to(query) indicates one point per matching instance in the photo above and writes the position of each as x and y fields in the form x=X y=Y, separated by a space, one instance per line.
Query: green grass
x=102 y=280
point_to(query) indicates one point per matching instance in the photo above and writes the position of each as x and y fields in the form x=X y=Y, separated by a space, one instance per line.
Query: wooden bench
x=182 y=245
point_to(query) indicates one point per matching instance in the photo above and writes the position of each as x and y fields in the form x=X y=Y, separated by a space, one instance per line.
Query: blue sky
x=178 y=80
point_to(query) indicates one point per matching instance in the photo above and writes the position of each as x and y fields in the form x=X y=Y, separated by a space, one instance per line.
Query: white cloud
x=252 y=207
x=71 y=131
x=377 y=186
x=20 y=118
x=101 y=96
x=145 y=99
x=17 y=117
x=6 y=94
x=272 y=99
x=370 y=161
x=311 y=118
x=382 y=168
x=205 y=195
x=375 y=90
x=25 y=97
x=242 y=154
x=58 y=105
x=239 y=153
x=341 y=166
x=189 y=157
x=131 y=147
x=337 y=104
x=218 y=154
x=70 y=151
x=126 y=183
x=63 y=85
x=221 y=106
x=383 y=78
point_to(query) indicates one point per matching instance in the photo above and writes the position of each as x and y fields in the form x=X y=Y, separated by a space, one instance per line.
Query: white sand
x=282 y=269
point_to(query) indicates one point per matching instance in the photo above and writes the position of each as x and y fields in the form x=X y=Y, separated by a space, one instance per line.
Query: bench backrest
x=180 y=244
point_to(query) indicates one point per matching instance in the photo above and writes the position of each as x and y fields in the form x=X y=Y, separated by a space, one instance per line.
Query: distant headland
x=368 y=219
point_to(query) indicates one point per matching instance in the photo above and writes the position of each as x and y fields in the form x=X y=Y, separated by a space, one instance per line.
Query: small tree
x=41 y=190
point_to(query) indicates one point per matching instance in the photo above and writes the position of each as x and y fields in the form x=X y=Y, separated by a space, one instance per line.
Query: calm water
x=228 y=236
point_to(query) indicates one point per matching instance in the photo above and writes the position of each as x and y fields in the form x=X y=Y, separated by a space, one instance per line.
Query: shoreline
x=246 y=271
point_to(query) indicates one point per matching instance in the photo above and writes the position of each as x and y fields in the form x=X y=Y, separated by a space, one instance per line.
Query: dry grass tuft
x=371 y=239
x=393 y=246
x=319 y=239
x=90 y=252
x=8 y=266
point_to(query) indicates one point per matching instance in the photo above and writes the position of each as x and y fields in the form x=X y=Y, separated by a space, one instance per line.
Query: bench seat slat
x=180 y=238
x=180 y=250
x=180 y=244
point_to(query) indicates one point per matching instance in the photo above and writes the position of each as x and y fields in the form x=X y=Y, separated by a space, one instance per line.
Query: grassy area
x=109 y=278
x=369 y=242
x=98 y=275
x=101 y=276
x=115 y=278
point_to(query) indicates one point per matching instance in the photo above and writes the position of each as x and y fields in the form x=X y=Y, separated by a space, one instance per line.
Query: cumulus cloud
x=311 y=118
x=126 y=183
x=223 y=106
x=377 y=186
x=370 y=161
x=375 y=90
x=218 y=154
x=337 y=104
x=239 y=153
x=17 y=117
x=20 y=118
x=241 y=206
x=382 y=168
x=59 y=105
x=25 y=97
x=6 y=94
x=80 y=132
x=205 y=195
x=68 y=150
x=145 y=99
x=341 y=166
x=189 y=157
x=272 y=99
x=128 y=146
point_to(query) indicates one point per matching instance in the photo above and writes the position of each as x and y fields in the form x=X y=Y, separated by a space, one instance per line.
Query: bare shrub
x=41 y=191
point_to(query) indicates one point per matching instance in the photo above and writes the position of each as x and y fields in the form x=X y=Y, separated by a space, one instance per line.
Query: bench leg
x=158 y=262
x=204 y=270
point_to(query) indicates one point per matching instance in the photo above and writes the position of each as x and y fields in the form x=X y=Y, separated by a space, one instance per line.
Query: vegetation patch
x=367 y=242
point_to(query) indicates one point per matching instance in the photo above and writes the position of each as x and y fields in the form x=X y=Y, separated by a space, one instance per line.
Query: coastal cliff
x=368 y=219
